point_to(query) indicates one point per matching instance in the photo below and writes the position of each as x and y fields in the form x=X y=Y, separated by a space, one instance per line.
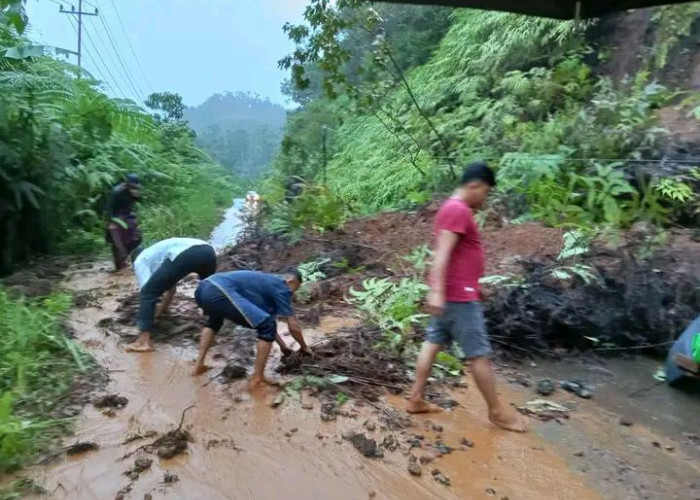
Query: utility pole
x=79 y=15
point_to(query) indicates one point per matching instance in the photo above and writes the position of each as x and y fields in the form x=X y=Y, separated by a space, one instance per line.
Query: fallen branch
x=148 y=448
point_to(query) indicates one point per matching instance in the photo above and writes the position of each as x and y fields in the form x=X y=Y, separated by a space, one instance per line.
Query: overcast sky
x=195 y=48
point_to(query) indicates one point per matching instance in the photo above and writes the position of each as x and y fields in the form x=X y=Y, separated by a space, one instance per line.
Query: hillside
x=240 y=130
x=560 y=109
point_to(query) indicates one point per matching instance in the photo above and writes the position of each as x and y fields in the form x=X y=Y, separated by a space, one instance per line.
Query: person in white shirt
x=158 y=269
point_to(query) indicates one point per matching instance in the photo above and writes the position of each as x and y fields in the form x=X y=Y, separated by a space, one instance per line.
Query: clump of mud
x=81 y=447
x=140 y=464
x=233 y=371
x=110 y=401
x=87 y=298
x=368 y=447
x=352 y=353
x=172 y=443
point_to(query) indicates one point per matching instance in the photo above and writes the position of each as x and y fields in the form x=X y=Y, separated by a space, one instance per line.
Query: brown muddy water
x=242 y=448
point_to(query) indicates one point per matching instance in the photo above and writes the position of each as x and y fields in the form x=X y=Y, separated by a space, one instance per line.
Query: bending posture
x=158 y=270
x=122 y=226
x=454 y=299
x=252 y=300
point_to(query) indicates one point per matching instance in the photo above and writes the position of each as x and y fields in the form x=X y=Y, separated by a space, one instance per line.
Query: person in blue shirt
x=253 y=300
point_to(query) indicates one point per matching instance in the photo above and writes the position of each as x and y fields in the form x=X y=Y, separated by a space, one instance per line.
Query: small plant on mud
x=343 y=265
x=392 y=306
x=674 y=189
x=419 y=258
x=502 y=280
x=311 y=273
x=576 y=244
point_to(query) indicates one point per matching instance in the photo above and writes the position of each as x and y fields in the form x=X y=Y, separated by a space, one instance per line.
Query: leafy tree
x=12 y=14
x=167 y=102
x=355 y=50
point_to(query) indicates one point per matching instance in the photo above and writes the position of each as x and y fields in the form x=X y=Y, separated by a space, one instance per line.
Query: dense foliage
x=64 y=144
x=37 y=363
x=241 y=131
x=524 y=93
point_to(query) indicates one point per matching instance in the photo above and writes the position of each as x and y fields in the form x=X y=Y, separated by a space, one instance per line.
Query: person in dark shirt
x=253 y=300
x=122 y=226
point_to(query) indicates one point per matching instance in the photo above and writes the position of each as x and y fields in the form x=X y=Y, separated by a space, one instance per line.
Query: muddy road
x=165 y=434
x=242 y=447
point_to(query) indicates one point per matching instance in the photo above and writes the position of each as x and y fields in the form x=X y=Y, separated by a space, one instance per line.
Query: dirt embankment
x=639 y=288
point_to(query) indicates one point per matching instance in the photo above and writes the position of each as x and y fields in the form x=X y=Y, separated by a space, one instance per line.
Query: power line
x=551 y=156
x=89 y=55
x=138 y=92
x=128 y=41
x=79 y=15
x=108 y=55
x=116 y=83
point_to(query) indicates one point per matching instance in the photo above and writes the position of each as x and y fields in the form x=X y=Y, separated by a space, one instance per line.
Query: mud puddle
x=242 y=448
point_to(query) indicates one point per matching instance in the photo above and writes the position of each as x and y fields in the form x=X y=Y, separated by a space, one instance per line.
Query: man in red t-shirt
x=454 y=299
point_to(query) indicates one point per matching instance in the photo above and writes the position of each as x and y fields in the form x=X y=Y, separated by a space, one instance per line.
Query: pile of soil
x=638 y=300
x=374 y=247
x=633 y=303
x=351 y=353
x=110 y=401
x=166 y=445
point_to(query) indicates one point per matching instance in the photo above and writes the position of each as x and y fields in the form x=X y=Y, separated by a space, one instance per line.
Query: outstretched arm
x=286 y=351
x=295 y=331
x=165 y=302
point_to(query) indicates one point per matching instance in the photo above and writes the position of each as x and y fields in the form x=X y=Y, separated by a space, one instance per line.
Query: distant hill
x=240 y=130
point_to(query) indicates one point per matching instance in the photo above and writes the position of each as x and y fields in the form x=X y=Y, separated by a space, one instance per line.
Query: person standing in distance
x=122 y=230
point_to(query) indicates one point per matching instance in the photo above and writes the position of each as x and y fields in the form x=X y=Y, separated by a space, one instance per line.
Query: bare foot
x=422 y=406
x=255 y=384
x=509 y=420
x=139 y=347
x=198 y=370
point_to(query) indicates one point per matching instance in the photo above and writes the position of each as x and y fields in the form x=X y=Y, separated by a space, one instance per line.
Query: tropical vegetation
x=386 y=120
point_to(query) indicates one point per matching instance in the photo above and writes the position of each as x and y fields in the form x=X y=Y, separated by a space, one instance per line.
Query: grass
x=38 y=364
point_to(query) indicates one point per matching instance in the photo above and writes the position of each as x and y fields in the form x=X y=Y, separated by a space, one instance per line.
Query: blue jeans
x=199 y=259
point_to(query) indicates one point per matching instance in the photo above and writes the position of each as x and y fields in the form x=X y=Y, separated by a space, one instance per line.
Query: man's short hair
x=294 y=272
x=479 y=171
